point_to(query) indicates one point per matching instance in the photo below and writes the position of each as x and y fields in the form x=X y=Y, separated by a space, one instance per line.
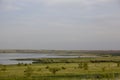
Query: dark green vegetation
x=99 y=68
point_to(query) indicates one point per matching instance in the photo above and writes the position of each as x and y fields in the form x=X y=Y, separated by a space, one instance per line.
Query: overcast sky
x=60 y=24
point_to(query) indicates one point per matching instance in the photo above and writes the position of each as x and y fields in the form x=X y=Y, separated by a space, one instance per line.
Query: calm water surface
x=7 y=58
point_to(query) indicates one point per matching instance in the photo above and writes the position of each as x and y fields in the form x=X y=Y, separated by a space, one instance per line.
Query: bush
x=103 y=69
x=28 y=71
x=85 y=66
x=47 y=67
x=3 y=68
x=54 y=70
x=63 y=68
x=80 y=65
x=118 y=64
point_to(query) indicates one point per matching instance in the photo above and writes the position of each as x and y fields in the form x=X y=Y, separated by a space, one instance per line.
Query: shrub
x=47 y=67
x=118 y=64
x=103 y=69
x=80 y=65
x=54 y=70
x=85 y=66
x=3 y=68
x=63 y=68
x=28 y=71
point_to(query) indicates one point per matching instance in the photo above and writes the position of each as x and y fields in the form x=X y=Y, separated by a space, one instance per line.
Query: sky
x=60 y=24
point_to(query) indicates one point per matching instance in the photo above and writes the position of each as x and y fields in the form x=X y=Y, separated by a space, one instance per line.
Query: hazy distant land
x=74 y=52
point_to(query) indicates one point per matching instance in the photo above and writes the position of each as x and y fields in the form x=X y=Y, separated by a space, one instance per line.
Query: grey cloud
x=15 y=4
x=60 y=24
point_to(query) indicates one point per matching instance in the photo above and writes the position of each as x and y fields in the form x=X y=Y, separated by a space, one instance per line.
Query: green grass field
x=101 y=68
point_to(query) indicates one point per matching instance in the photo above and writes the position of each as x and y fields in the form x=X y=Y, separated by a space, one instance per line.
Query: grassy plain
x=98 y=68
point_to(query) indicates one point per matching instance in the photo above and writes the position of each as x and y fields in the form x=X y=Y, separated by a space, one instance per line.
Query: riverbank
x=15 y=58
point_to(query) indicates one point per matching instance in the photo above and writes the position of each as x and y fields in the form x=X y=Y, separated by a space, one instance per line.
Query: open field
x=100 y=68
